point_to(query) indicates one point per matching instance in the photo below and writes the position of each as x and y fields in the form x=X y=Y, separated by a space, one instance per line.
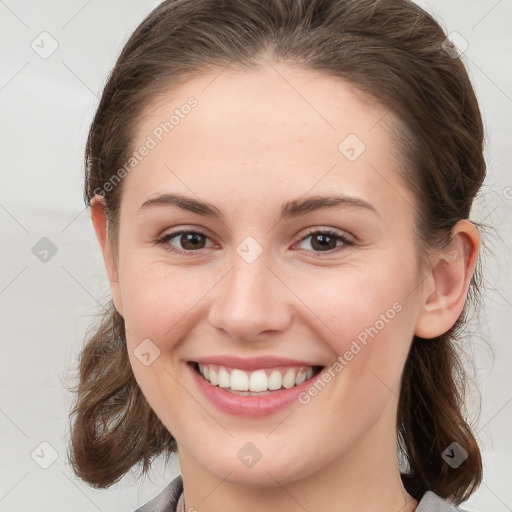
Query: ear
x=445 y=290
x=99 y=221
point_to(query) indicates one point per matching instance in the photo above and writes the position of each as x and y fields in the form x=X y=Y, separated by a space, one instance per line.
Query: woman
x=281 y=192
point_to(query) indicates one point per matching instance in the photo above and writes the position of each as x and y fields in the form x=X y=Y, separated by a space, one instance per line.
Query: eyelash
x=334 y=234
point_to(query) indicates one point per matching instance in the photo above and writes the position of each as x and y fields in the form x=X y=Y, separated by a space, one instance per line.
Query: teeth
x=289 y=379
x=214 y=378
x=239 y=380
x=263 y=380
x=223 y=378
x=257 y=381
x=301 y=377
x=274 y=380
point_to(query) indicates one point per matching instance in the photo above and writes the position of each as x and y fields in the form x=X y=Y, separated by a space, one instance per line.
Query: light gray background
x=46 y=108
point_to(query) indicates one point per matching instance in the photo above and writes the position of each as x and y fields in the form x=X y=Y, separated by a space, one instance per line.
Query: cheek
x=356 y=303
x=367 y=316
x=159 y=305
x=157 y=299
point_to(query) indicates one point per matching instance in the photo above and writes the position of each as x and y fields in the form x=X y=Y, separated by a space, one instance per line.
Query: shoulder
x=166 y=500
x=431 y=502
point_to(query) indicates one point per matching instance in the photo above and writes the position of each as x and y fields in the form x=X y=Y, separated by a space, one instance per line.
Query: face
x=255 y=276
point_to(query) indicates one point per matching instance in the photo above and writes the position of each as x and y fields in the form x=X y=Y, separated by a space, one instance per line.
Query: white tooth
x=204 y=371
x=274 y=380
x=301 y=377
x=214 y=380
x=309 y=374
x=223 y=378
x=239 y=380
x=289 y=379
x=258 y=381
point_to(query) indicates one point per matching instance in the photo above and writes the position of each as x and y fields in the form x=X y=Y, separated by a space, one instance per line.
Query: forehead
x=272 y=130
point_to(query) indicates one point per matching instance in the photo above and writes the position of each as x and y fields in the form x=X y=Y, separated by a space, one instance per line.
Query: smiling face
x=243 y=173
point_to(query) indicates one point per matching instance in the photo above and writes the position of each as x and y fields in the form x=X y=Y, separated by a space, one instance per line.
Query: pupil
x=190 y=240
x=323 y=241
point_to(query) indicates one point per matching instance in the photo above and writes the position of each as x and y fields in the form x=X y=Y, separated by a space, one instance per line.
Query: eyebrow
x=289 y=209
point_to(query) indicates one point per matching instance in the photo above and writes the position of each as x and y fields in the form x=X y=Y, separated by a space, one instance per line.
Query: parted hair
x=397 y=55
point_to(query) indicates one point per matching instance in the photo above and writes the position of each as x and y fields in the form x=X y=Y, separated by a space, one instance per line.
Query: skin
x=255 y=140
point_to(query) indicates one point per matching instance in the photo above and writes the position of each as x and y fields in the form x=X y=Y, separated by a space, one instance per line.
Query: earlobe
x=446 y=288
x=99 y=221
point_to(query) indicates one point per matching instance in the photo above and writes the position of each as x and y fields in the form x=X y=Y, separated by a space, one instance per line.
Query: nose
x=251 y=300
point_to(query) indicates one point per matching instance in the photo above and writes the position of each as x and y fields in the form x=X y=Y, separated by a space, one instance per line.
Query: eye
x=326 y=241
x=190 y=241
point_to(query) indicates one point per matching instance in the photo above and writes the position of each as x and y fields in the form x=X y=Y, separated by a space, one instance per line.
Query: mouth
x=259 y=382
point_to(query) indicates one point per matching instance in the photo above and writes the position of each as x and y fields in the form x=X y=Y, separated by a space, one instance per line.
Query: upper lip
x=253 y=363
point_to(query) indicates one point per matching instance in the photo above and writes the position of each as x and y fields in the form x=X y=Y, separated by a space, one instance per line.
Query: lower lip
x=248 y=405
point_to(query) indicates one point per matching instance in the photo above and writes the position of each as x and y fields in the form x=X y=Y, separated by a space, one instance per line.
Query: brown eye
x=183 y=242
x=191 y=241
x=325 y=241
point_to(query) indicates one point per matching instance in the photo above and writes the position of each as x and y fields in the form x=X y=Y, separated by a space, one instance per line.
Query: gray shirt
x=170 y=499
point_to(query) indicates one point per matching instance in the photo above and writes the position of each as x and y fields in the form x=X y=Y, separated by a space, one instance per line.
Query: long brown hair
x=396 y=54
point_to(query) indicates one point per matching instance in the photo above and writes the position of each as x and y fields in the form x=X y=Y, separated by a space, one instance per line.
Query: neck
x=344 y=485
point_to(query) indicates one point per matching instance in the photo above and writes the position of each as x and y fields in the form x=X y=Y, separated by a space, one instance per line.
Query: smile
x=259 y=382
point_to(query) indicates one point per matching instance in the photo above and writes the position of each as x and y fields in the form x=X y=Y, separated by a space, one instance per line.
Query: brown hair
x=392 y=51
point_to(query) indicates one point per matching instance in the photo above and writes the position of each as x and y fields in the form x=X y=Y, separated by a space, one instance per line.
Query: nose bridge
x=250 y=299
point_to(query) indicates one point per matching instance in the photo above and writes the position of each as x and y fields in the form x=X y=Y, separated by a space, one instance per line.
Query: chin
x=272 y=469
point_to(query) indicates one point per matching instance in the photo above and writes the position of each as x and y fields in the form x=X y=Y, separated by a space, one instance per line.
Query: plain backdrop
x=55 y=57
